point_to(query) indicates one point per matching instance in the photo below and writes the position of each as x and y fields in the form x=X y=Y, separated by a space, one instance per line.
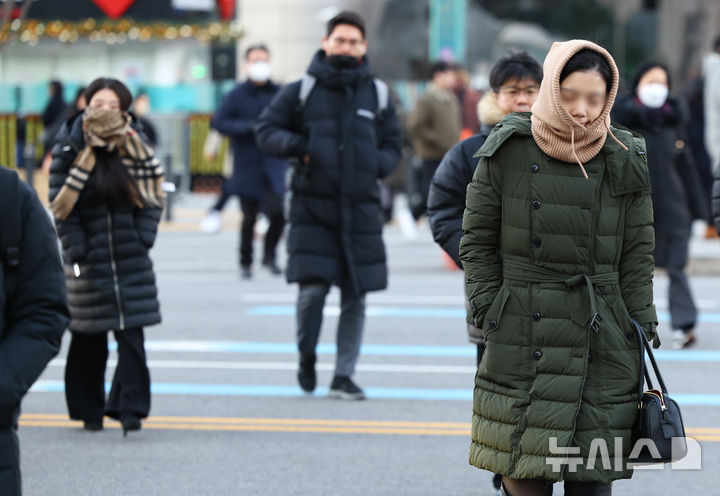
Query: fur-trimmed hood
x=488 y=111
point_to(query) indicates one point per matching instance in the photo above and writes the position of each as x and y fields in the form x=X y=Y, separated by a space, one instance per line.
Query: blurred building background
x=186 y=53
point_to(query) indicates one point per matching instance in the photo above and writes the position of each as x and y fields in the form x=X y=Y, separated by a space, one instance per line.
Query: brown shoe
x=711 y=232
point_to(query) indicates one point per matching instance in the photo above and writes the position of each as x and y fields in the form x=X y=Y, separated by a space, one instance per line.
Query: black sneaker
x=344 y=388
x=273 y=267
x=306 y=372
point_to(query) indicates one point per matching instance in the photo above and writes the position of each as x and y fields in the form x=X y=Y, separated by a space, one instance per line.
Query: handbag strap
x=646 y=348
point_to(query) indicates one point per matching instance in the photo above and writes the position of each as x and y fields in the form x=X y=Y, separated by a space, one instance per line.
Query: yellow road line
x=279 y=421
x=328 y=426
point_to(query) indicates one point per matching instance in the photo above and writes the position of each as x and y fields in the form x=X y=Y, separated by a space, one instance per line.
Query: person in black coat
x=342 y=139
x=677 y=194
x=106 y=196
x=33 y=310
x=257 y=178
x=54 y=114
x=716 y=200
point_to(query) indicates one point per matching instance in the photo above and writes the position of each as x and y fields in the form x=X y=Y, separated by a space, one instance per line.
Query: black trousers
x=85 y=376
x=419 y=203
x=223 y=198
x=250 y=209
x=10 y=483
x=671 y=253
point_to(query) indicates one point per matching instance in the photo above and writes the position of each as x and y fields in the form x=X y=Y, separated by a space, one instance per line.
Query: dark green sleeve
x=637 y=264
x=481 y=238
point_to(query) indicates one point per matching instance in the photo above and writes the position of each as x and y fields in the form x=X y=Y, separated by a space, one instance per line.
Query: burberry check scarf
x=110 y=129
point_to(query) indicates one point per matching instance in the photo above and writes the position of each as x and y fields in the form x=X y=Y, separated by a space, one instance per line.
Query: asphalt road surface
x=229 y=419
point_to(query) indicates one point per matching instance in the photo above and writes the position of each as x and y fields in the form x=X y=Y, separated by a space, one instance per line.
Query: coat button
x=536 y=204
x=537 y=354
x=536 y=242
x=629 y=335
x=601 y=290
x=534 y=168
x=492 y=324
x=341 y=147
x=536 y=316
x=589 y=358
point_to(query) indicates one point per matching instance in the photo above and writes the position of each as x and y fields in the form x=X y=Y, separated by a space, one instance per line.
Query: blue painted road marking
x=206 y=346
x=198 y=389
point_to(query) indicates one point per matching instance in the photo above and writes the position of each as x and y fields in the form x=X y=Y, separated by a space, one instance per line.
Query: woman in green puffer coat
x=558 y=250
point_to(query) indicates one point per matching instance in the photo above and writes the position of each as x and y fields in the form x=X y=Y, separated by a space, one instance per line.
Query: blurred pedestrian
x=434 y=126
x=711 y=72
x=257 y=178
x=563 y=200
x=468 y=98
x=677 y=194
x=515 y=82
x=54 y=114
x=79 y=103
x=339 y=126
x=693 y=94
x=106 y=196
x=716 y=200
x=141 y=109
x=33 y=310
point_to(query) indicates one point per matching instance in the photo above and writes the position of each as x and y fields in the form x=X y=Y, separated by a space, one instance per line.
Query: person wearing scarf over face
x=677 y=192
x=563 y=199
x=106 y=197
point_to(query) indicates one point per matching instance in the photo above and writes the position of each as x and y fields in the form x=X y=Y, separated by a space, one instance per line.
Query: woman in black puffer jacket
x=106 y=196
x=677 y=193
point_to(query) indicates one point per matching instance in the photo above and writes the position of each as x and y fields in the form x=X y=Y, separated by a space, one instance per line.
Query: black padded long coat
x=335 y=214
x=114 y=286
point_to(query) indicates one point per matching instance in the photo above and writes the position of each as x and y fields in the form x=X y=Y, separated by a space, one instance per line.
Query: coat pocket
x=491 y=322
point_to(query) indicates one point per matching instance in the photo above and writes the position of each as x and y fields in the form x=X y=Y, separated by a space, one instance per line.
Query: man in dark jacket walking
x=257 y=178
x=515 y=81
x=33 y=310
x=342 y=133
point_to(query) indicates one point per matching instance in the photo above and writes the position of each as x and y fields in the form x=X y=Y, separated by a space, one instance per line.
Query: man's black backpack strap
x=307 y=83
x=10 y=233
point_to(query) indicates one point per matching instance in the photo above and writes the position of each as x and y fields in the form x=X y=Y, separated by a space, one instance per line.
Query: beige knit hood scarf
x=110 y=129
x=553 y=128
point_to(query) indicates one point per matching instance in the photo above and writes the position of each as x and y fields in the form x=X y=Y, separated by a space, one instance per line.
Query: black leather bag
x=659 y=422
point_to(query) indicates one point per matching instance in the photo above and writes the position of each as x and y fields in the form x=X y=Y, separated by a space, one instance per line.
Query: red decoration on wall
x=113 y=8
x=227 y=9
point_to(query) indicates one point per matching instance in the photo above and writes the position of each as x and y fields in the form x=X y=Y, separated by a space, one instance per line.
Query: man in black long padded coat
x=340 y=130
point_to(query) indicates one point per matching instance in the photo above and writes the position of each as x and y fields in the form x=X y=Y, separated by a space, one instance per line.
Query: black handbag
x=658 y=434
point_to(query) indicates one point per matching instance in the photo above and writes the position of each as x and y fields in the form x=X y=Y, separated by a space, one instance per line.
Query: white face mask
x=259 y=72
x=653 y=95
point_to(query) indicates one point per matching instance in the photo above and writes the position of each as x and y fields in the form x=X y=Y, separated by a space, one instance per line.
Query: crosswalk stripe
x=243 y=365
